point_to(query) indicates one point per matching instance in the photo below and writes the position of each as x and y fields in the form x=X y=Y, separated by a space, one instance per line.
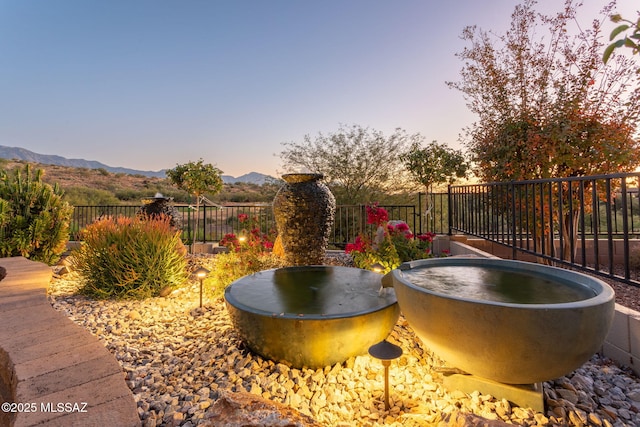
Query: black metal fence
x=215 y=222
x=435 y=212
x=591 y=223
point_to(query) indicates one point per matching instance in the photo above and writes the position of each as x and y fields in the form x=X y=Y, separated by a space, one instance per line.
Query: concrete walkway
x=58 y=373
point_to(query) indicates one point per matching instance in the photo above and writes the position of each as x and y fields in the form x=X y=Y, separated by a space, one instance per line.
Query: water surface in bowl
x=497 y=285
x=311 y=290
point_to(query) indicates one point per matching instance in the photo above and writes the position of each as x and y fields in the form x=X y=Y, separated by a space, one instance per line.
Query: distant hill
x=248 y=178
x=17 y=153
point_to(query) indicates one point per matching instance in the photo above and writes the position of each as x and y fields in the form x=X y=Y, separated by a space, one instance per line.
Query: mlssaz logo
x=67 y=407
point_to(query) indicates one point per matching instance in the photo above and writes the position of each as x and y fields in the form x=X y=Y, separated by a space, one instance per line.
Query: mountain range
x=18 y=153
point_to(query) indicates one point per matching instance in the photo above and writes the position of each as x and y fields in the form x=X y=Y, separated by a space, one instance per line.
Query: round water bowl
x=311 y=316
x=509 y=321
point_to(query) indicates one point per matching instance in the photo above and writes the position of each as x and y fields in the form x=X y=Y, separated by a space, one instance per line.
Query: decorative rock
x=594 y=419
x=568 y=395
x=578 y=417
x=541 y=419
x=180 y=361
x=134 y=315
x=165 y=291
x=458 y=419
x=244 y=409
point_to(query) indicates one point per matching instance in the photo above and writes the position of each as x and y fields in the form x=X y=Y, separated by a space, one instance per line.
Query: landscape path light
x=377 y=267
x=243 y=236
x=201 y=273
x=386 y=352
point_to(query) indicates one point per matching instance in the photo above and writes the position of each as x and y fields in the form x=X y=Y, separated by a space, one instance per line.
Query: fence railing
x=215 y=222
x=591 y=223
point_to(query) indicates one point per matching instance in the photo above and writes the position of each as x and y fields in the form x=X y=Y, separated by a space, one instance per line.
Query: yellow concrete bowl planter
x=311 y=316
x=512 y=322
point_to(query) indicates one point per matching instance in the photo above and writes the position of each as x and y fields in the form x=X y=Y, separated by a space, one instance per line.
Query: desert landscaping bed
x=179 y=360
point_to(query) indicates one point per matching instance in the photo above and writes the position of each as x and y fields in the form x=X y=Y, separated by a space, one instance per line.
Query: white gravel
x=177 y=358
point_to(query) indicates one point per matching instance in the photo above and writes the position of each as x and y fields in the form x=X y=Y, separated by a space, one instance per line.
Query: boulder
x=243 y=409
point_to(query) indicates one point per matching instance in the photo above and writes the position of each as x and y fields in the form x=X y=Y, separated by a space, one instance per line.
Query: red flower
x=230 y=240
x=229 y=237
x=376 y=215
x=402 y=227
x=358 y=246
x=426 y=237
x=243 y=217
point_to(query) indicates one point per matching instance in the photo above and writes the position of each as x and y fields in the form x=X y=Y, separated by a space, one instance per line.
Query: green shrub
x=130 y=257
x=129 y=194
x=34 y=219
x=84 y=196
x=248 y=254
x=231 y=266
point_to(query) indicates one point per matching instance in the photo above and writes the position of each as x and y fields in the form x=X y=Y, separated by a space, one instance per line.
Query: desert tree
x=197 y=179
x=434 y=164
x=547 y=106
x=359 y=164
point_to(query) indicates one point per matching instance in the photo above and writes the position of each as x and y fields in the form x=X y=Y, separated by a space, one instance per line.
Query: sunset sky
x=148 y=84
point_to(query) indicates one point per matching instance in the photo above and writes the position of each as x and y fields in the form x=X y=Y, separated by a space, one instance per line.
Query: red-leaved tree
x=547 y=105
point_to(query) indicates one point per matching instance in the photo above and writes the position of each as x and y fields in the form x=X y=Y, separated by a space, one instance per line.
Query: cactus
x=34 y=220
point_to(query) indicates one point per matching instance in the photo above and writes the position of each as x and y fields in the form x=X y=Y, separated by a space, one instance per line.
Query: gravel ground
x=178 y=359
x=626 y=295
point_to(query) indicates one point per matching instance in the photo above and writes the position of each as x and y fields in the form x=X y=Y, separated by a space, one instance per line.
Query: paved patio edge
x=49 y=365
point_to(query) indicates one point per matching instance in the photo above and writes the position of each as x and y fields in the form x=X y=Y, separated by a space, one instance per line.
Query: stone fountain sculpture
x=161 y=205
x=309 y=314
x=304 y=210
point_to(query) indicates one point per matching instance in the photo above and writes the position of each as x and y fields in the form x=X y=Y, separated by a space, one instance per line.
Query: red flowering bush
x=253 y=240
x=360 y=245
x=230 y=241
x=376 y=215
x=392 y=244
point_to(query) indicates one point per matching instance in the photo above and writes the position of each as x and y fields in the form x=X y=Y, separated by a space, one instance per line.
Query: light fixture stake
x=201 y=273
x=386 y=352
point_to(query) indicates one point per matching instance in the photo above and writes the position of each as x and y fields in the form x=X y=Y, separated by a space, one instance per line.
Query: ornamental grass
x=130 y=257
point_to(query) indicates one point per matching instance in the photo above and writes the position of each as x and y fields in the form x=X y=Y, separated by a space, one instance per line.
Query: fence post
x=449 y=210
x=419 y=212
x=189 y=225
x=625 y=230
x=514 y=252
x=204 y=222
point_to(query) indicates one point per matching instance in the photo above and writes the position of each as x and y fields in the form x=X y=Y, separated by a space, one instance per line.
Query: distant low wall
x=503 y=251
